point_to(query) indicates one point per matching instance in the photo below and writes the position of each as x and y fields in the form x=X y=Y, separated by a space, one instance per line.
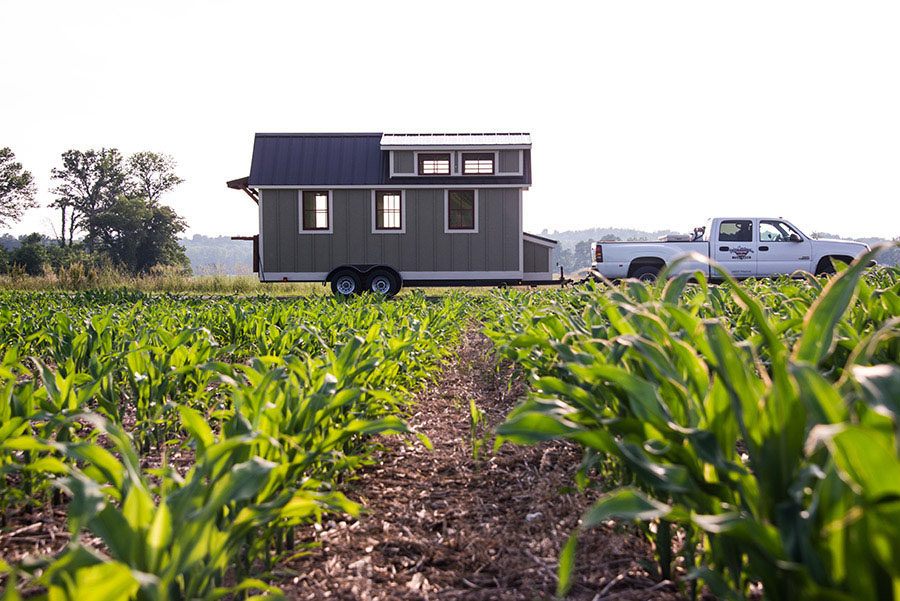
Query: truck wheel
x=383 y=282
x=346 y=283
x=647 y=274
x=826 y=267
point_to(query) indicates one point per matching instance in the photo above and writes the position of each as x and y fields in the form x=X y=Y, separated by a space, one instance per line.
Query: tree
x=151 y=175
x=17 y=188
x=31 y=255
x=90 y=182
x=582 y=258
x=137 y=234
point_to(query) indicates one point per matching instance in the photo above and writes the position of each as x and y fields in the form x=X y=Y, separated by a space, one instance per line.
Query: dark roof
x=544 y=238
x=317 y=160
x=239 y=183
x=343 y=159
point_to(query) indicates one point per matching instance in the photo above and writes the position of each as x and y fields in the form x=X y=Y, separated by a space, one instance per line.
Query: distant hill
x=219 y=255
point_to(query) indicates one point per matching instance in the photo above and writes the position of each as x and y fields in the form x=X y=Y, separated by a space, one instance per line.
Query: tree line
x=109 y=201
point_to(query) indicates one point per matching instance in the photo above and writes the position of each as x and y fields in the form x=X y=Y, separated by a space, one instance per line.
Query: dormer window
x=434 y=164
x=478 y=163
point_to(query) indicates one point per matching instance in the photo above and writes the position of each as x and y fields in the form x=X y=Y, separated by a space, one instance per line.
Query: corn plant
x=735 y=416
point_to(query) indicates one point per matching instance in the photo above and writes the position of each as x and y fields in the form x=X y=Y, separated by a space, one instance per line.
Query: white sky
x=642 y=114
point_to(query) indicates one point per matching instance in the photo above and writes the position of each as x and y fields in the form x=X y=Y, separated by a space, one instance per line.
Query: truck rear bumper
x=611 y=271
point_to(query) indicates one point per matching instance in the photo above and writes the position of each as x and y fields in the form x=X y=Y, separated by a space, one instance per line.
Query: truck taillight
x=598 y=254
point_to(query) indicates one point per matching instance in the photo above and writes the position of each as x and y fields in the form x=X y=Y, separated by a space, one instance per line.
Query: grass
x=170 y=280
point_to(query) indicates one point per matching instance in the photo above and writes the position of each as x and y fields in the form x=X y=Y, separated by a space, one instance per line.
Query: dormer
x=442 y=158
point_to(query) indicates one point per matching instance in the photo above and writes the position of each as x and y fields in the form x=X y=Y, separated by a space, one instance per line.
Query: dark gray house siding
x=422 y=251
x=535 y=257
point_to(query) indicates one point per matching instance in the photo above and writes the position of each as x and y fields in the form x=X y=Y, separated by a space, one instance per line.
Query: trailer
x=375 y=212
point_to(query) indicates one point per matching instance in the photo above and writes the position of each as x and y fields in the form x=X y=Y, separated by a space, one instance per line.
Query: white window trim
x=402 y=229
x=416 y=154
x=462 y=163
x=447 y=229
x=330 y=212
x=456 y=163
x=402 y=174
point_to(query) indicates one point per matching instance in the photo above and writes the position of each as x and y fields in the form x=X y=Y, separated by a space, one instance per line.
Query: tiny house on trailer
x=377 y=211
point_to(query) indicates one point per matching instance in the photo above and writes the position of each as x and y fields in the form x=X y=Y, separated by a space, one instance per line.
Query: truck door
x=782 y=249
x=734 y=247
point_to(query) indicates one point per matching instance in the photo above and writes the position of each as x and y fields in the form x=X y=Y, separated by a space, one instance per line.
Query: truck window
x=776 y=231
x=736 y=230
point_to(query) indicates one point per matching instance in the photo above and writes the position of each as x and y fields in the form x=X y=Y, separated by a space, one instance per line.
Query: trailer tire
x=647 y=274
x=346 y=282
x=382 y=281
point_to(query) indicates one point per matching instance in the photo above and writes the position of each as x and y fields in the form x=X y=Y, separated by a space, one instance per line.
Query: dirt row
x=442 y=524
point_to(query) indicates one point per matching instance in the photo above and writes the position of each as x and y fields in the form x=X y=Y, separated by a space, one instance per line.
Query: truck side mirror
x=795 y=238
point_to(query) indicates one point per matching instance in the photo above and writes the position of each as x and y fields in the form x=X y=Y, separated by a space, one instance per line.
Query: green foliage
x=31 y=255
x=116 y=203
x=137 y=234
x=17 y=188
x=150 y=175
x=758 y=418
x=276 y=402
x=89 y=182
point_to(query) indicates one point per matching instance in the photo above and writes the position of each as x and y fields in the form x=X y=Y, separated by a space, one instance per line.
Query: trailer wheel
x=647 y=274
x=382 y=281
x=346 y=283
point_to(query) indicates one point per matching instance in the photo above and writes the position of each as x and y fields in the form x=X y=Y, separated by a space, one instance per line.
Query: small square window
x=387 y=210
x=316 y=211
x=434 y=164
x=478 y=163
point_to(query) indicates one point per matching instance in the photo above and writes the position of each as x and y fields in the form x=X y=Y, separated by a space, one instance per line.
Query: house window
x=478 y=163
x=434 y=164
x=387 y=210
x=316 y=211
x=462 y=210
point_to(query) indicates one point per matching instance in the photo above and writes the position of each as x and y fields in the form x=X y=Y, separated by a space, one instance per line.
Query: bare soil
x=439 y=524
x=442 y=525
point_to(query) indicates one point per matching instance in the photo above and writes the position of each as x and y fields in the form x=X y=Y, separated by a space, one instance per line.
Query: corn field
x=276 y=402
x=753 y=429
x=750 y=430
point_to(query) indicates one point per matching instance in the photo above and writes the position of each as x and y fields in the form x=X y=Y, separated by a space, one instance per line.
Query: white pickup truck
x=745 y=246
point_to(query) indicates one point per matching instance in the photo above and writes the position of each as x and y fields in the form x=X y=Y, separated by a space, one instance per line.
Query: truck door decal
x=740 y=253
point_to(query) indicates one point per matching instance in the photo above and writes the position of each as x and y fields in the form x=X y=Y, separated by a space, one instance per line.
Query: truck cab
x=760 y=247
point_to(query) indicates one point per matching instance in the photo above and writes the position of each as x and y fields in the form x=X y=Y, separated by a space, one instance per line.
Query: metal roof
x=542 y=238
x=317 y=159
x=346 y=159
x=521 y=139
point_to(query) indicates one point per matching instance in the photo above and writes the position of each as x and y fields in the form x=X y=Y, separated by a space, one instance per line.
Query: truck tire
x=382 y=281
x=826 y=267
x=346 y=282
x=647 y=274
